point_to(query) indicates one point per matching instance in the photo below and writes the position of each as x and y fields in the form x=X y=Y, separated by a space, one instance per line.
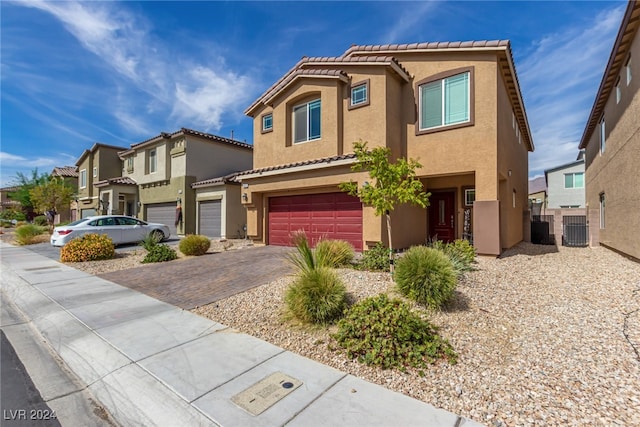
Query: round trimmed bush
x=334 y=253
x=316 y=296
x=426 y=276
x=385 y=332
x=194 y=244
x=90 y=247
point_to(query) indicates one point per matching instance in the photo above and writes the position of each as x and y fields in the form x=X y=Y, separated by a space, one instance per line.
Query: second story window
x=267 y=123
x=574 y=180
x=618 y=91
x=359 y=95
x=95 y=172
x=83 y=178
x=602 y=136
x=628 y=67
x=153 y=160
x=445 y=102
x=306 y=121
x=130 y=164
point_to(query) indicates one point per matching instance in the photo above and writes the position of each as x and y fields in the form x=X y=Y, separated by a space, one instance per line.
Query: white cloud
x=198 y=93
x=559 y=79
x=14 y=163
x=411 y=18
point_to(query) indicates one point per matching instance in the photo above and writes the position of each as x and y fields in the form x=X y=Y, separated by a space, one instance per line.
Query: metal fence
x=575 y=231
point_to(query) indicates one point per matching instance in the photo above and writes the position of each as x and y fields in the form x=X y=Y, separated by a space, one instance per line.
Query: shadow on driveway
x=199 y=281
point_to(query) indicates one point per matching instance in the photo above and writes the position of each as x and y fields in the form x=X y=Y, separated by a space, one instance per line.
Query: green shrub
x=303 y=259
x=461 y=249
x=375 y=259
x=194 y=244
x=89 y=247
x=382 y=332
x=426 y=275
x=334 y=253
x=11 y=214
x=160 y=253
x=150 y=241
x=26 y=233
x=41 y=220
x=316 y=296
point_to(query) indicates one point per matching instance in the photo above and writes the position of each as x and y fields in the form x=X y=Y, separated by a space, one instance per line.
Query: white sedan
x=121 y=229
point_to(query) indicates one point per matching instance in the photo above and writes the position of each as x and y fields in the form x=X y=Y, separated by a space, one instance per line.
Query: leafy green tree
x=54 y=194
x=392 y=183
x=25 y=184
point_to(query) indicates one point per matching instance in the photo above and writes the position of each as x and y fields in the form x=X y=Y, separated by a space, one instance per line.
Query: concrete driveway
x=198 y=281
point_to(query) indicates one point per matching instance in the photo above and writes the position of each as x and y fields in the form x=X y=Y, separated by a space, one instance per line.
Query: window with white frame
x=445 y=102
x=360 y=94
x=574 y=180
x=628 y=68
x=469 y=196
x=83 y=178
x=618 y=91
x=267 y=123
x=603 y=142
x=153 y=160
x=95 y=172
x=602 y=209
x=306 y=121
x=130 y=164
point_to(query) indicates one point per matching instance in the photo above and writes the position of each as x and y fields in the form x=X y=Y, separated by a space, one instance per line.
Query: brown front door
x=442 y=216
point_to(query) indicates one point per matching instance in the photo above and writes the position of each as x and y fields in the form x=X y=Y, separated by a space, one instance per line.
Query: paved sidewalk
x=153 y=364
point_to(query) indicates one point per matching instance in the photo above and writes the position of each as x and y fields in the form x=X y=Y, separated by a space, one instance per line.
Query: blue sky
x=76 y=73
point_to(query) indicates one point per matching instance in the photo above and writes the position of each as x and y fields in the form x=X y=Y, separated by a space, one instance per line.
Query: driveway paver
x=199 y=281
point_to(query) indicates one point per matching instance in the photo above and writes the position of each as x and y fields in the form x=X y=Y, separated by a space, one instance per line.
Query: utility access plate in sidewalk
x=266 y=392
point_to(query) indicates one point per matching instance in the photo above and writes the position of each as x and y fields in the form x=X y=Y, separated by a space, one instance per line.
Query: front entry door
x=442 y=216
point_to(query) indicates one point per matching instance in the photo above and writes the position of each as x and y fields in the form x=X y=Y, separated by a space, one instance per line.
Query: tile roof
x=121 y=180
x=619 y=54
x=326 y=160
x=282 y=83
x=462 y=45
x=227 y=179
x=65 y=171
x=186 y=131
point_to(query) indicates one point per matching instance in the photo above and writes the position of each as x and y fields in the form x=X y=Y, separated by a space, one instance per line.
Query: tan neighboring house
x=163 y=169
x=6 y=202
x=456 y=107
x=538 y=195
x=96 y=164
x=70 y=175
x=612 y=143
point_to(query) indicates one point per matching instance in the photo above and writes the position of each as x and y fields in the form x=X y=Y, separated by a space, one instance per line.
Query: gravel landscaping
x=545 y=336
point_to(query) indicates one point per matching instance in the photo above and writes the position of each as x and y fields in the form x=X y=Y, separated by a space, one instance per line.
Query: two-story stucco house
x=611 y=140
x=455 y=107
x=162 y=170
x=96 y=164
x=565 y=185
x=70 y=176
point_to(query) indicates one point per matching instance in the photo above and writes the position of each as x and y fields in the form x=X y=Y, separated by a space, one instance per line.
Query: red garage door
x=331 y=216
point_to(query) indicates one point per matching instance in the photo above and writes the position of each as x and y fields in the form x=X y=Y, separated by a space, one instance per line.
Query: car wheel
x=158 y=235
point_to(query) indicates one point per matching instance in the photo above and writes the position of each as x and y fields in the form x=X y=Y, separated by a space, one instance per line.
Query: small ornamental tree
x=393 y=183
x=52 y=195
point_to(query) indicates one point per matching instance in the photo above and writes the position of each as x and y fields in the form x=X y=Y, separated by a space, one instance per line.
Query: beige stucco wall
x=168 y=192
x=615 y=171
x=206 y=160
x=108 y=165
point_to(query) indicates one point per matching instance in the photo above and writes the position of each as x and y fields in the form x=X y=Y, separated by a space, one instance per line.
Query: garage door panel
x=210 y=218
x=330 y=215
x=163 y=213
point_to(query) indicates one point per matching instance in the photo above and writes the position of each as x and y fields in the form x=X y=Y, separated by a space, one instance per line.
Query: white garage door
x=86 y=213
x=210 y=218
x=163 y=213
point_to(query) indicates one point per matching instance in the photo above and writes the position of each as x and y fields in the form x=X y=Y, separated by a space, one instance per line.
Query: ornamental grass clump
x=89 y=247
x=194 y=244
x=426 y=276
x=26 y=234
x=317 y=295
x=382 y=332
x=334 y=253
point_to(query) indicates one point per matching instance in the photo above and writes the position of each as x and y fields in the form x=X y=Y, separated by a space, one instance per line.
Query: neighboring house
x=456 y=107
x=565 y=185
x=70 y=175
x=538 y=191
x=97 y=164
x=161 y=171
x=6 y=202
x=611 y=140
x=219 y=209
